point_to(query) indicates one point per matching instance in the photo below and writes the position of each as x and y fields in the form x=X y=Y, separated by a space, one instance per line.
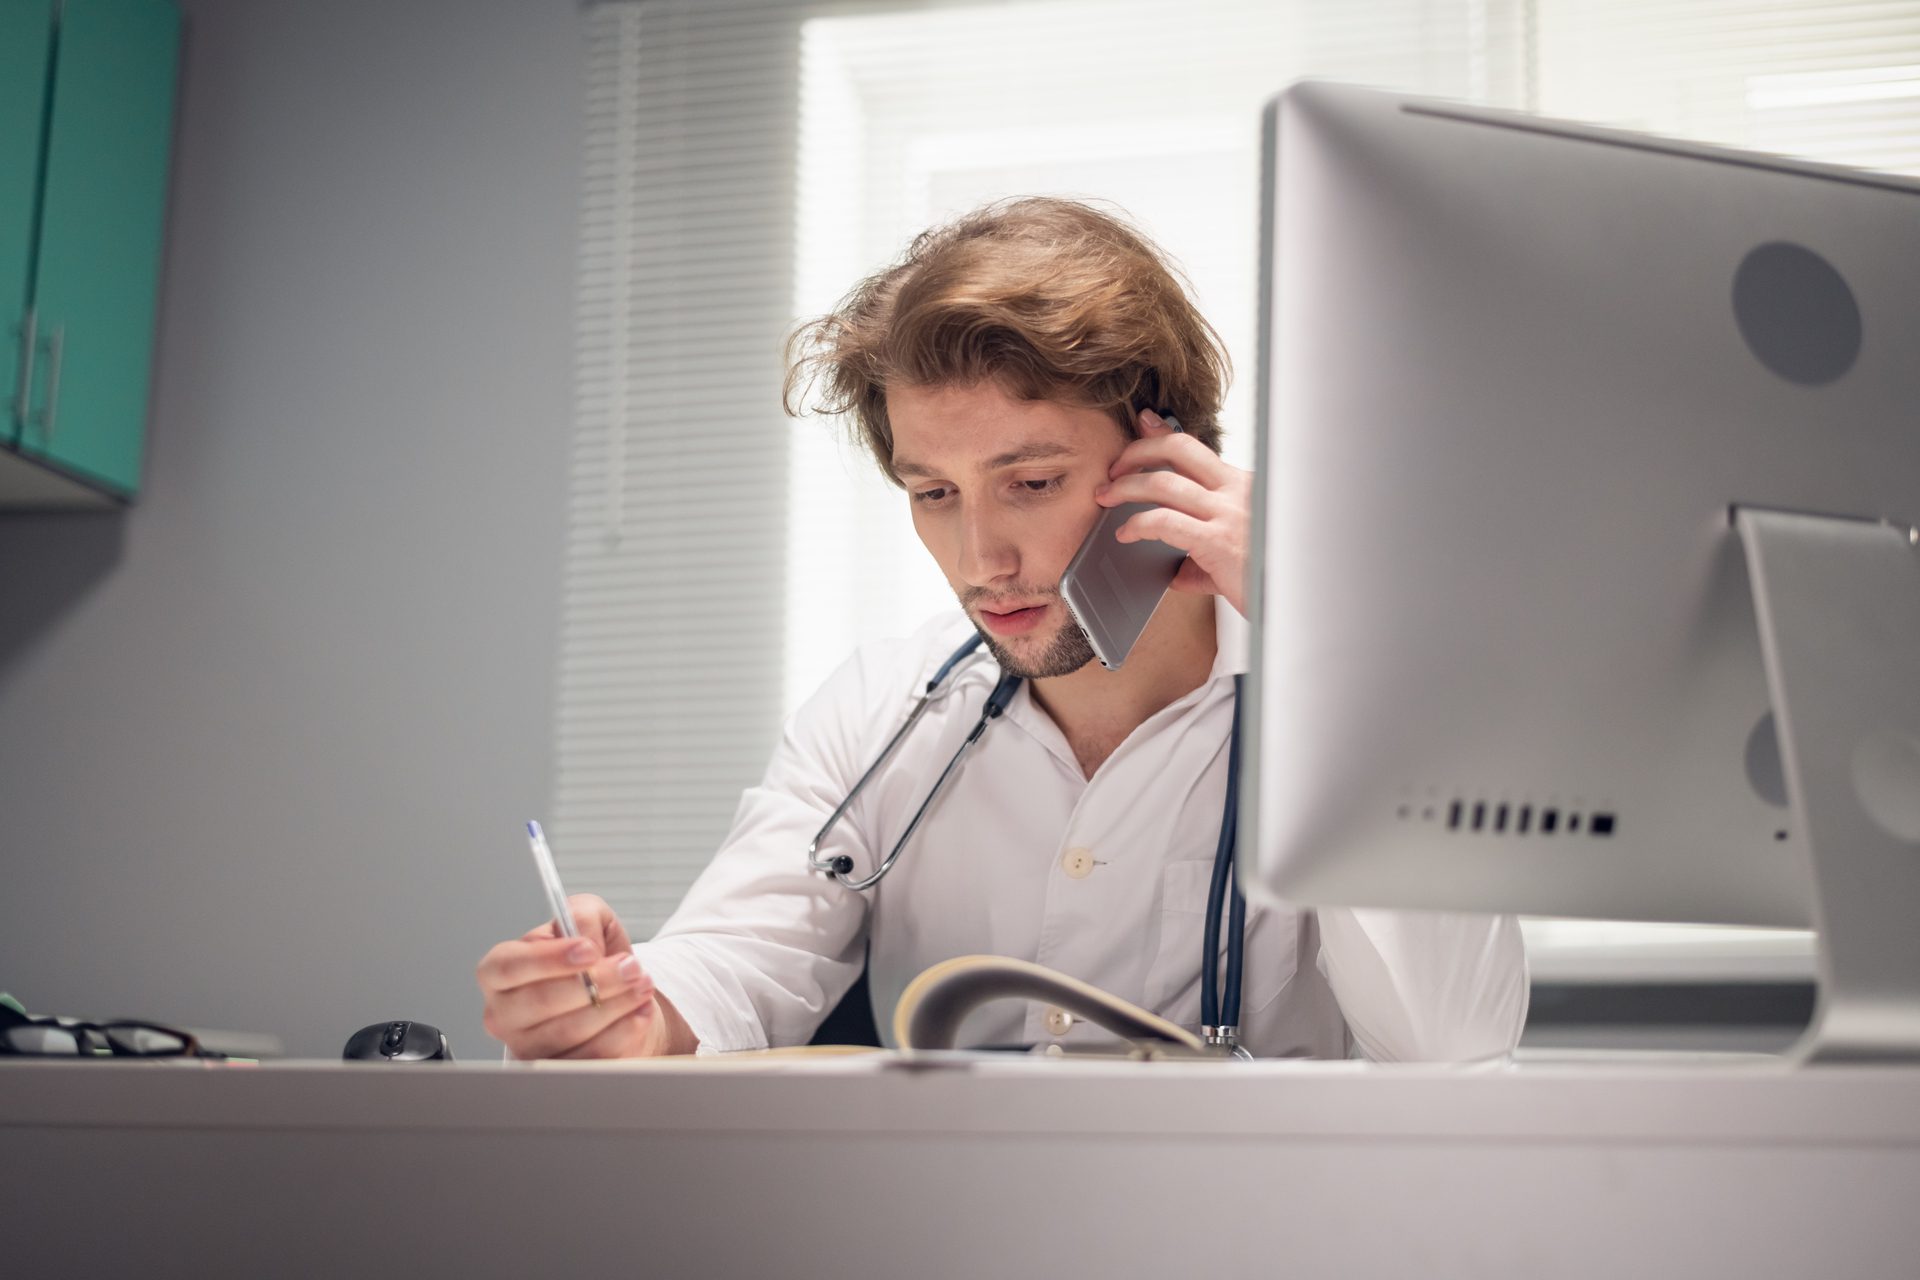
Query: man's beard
x=1066 y=653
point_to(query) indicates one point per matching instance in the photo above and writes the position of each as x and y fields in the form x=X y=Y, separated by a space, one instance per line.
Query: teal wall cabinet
x=86 y=125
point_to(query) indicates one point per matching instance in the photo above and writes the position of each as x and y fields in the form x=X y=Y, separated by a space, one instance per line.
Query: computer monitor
x=1544 y=410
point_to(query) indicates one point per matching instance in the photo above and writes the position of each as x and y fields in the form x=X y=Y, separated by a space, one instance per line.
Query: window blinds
x=672 y=625
x=1833 y=80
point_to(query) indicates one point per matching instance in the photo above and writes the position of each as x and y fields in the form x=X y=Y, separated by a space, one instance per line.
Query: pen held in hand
x=556 y=897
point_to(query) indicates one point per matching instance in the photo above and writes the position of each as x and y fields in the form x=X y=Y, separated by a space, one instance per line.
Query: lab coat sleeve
x=762 y=948
x=1418 y=986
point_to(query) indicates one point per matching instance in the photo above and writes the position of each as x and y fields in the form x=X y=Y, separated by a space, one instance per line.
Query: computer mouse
x=398 y=1042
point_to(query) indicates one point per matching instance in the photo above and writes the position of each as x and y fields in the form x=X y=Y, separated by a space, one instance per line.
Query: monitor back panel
x=1513 y=376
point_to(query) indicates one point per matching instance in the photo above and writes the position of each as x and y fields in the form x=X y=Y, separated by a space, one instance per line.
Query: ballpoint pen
x=556 y=897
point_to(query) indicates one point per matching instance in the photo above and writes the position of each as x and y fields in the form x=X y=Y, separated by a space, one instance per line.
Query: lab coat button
x=1078 y=863
x=1059 y=1021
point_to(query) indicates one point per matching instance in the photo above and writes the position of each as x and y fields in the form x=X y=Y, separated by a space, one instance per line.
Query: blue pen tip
x=533 y=829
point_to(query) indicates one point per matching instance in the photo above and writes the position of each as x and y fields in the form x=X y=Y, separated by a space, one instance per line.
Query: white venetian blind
x=1834 y=80
x=672 y=628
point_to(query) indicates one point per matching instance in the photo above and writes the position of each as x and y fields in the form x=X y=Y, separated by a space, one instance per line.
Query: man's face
x=1002 y=494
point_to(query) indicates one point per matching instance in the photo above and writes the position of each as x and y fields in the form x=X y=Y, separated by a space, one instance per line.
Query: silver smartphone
x=1113 y=587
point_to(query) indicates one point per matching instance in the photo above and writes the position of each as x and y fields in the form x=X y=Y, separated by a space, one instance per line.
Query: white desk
x=1017 y=1167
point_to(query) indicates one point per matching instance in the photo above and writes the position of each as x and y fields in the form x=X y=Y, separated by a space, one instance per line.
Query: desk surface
x=860 y=1167
x=1651 y=1100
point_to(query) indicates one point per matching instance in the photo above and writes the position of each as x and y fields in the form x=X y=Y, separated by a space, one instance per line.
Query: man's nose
x=987 y=554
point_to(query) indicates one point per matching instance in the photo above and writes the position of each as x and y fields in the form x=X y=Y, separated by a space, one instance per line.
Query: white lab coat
x=1104 y=879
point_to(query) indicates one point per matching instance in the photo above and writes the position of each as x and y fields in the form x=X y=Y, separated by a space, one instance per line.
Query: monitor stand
x=1838 y=605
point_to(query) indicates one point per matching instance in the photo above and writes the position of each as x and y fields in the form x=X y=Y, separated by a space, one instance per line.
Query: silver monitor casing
x=1506 y=410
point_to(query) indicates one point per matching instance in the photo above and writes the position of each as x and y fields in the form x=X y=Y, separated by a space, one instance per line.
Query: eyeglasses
x=68 y=1038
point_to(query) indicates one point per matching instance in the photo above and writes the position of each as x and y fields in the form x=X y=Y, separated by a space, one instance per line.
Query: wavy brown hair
x=1048 y=299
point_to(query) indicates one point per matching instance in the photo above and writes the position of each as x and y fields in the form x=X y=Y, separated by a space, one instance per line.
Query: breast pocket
x=1173 y=980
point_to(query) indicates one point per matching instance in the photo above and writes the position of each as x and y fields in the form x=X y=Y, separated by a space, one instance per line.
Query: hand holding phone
x=1111 y=587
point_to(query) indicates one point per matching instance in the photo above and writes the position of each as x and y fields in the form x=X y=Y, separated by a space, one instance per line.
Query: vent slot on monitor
x=1467 y=814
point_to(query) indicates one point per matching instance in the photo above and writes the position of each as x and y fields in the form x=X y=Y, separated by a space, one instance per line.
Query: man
x=1010 y=374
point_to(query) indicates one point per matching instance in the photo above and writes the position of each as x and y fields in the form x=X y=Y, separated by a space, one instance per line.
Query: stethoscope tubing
x=841 y=867
x=1217 y=1008
x=996 y=703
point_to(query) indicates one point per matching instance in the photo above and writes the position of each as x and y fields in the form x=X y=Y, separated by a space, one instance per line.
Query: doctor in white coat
x=1009 y=374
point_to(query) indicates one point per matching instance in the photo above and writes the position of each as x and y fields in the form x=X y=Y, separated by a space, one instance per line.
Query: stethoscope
x=1219 y=1009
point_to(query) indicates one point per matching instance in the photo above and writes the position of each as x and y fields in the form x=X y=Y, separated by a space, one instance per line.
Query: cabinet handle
x=49 y=416
x=29 y=347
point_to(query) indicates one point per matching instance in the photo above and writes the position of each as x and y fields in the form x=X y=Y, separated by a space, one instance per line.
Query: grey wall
x=268 y=738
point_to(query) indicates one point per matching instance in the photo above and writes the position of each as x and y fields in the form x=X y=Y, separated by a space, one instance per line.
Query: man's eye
x=1048 y=485
x=927 y=497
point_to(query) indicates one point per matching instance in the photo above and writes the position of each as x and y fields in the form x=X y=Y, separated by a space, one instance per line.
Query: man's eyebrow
x=1038 y=451
x=1035 y=452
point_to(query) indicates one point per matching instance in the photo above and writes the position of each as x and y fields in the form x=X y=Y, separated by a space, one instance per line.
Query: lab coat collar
x=1231 y=640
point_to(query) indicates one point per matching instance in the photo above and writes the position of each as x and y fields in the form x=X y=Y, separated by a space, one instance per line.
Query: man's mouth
x=1015 y=621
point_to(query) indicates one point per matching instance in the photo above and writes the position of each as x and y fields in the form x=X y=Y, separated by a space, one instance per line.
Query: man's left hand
x=1205 y=507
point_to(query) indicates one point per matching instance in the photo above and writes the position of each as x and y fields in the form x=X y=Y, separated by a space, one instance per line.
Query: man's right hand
x=537 y=1006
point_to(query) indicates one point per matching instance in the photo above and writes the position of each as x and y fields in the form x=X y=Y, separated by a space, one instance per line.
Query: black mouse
x=399 y=1042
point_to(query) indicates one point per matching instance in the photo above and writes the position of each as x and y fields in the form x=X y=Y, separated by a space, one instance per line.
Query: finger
x=570 y=1030
x=513 y=1013
x=626 y=1037
x=588 y=910
x=534 y=958
x=1152 y=424
x=1162 y=524
x=1195 y=579
x=1218 y=554
x=547 y=931
x=539 y=1002
x=617 y=973
x=1162 y=488
x=1176 y=450
x=595 y=919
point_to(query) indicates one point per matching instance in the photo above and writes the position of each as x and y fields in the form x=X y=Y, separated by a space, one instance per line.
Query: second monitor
x=1545 y=409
